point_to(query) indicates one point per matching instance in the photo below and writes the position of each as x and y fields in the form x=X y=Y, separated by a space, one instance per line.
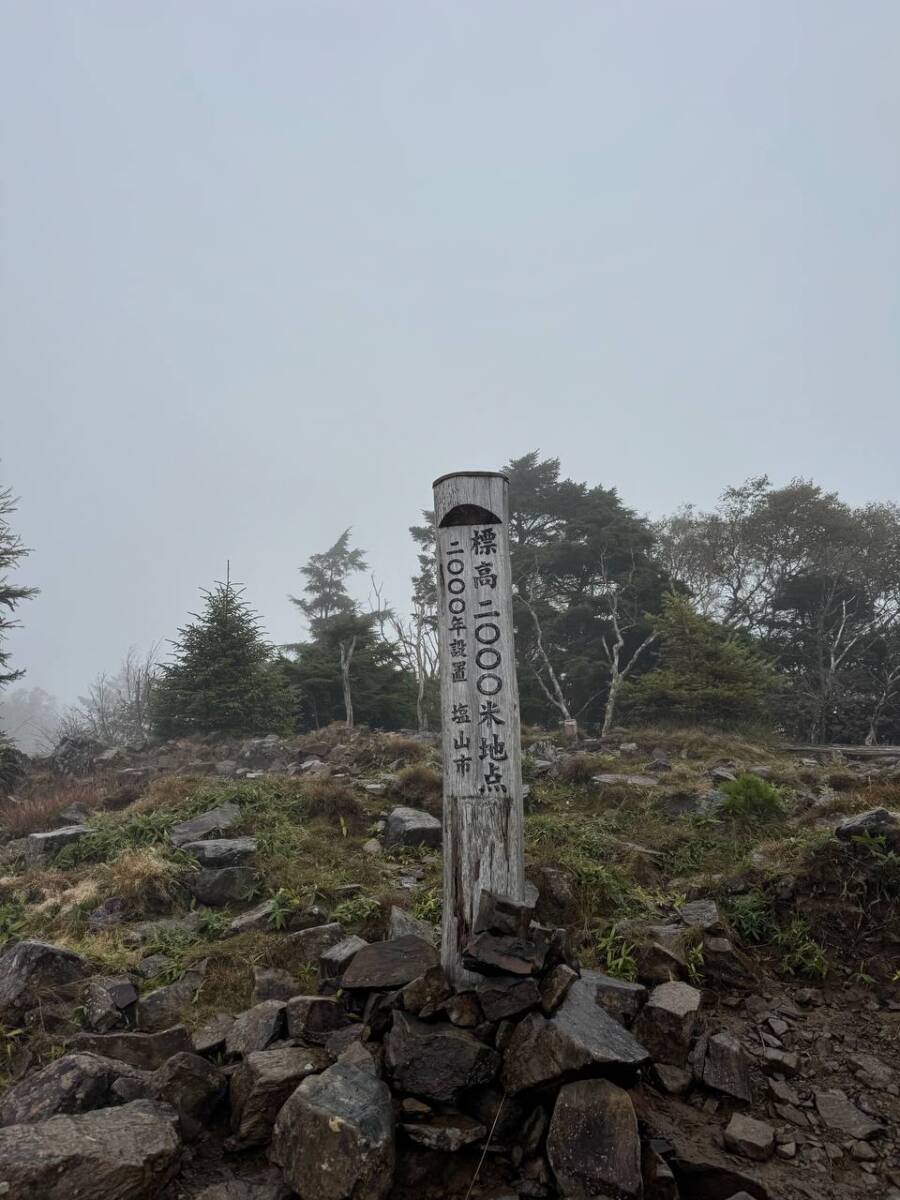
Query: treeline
x=780 y=607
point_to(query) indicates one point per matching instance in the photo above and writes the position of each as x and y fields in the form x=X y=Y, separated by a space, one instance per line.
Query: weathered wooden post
x=483 y=841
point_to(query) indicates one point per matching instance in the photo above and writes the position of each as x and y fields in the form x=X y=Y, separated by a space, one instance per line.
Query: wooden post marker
x=483 y=840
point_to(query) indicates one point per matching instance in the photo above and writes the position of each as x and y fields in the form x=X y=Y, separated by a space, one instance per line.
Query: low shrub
x=749 y=797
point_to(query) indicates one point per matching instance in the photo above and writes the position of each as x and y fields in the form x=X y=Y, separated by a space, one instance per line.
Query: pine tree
x=223 y=676
x=707 y=675
x=11 y=551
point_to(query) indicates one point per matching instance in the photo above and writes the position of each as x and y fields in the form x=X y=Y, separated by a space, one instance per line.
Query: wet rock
x=620 y=998
x=750 y=1138
x=507 y=995
x=436 y=1062
x=144 y=1050
x=446 y=1133
x=403 y=924
x=593 y=1144
x=726 y=1067
x=666 y=1023
x=217 y=887
x=839 y=1113
x=163 y=1007
x=411 y=827
x=256 y=1028
x=503 y=915
x=314 y=1018
x=210 y=1038
x=334 y=961
x=253 y=920
x=32 y=970
x=391 y=964
x=579 y=1036
x=334 y=1137
x=215 y=821
x=261 y=1085
x=126 y=1153
x=41 y=846
x=555 y=986
x=272 y=983
x=495 y=954
x=221 y=852
x=72 y=1084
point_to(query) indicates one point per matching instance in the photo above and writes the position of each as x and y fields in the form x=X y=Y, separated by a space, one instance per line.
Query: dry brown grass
x=707 y=744
x=38 y=808
x=579 y=768
x=167 y=792
x=146 y=880
x=332 y=802
x=405 y=749
x=421 y=786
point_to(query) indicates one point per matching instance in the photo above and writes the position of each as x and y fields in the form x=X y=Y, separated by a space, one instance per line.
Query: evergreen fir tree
x=707 y=675
x=223 y=676
x=11 y=595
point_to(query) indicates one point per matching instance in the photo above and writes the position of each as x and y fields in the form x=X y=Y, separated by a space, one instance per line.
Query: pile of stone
x=388 y=1077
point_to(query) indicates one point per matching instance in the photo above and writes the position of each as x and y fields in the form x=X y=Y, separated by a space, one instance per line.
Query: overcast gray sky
x=269 y=268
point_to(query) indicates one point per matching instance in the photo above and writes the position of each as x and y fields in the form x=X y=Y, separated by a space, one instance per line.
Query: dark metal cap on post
x=483 y=838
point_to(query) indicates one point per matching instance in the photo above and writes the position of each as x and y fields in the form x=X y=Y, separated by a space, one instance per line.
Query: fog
x=267 y=269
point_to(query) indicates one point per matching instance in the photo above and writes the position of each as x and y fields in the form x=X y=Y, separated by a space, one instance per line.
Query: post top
x=470 y=475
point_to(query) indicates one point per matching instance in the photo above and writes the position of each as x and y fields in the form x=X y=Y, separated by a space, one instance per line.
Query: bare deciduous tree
x=116 y=709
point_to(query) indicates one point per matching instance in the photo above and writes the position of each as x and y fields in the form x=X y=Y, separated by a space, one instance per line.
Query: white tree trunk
x=483 y=819
x=346 y=660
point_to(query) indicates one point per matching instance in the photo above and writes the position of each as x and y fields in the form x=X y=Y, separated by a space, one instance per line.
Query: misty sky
x=269 y=268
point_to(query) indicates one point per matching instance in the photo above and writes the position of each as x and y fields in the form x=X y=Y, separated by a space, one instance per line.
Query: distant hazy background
x=269 y=268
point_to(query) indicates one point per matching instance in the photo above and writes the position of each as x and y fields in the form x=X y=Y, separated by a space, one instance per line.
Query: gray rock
x=155 y=965
x=506 y=996
x=127 y=1153
x=306 y=946
x=701 y=914
x=426 y=994
x=210 y=1038
x=334 y=961
x=253 y=920
x=273 y=983
x=390 y=964
x=412 y=827
x=104 y=1003
x=215 y=821
x=666 y=1023
x=225 y=886
x=164 y=1006
x=222 y=852
x=403 y=924
x=148 y=931
x=32 y=970
x=579 y=1036
x=75 y=1083
x=620 y=998
x=446 y=1133
x=613 y=779
x=750 y=1138
x=877 y=822
x=554 y=987
x=839 y=1113
x=262 y=1083
x=436 y=1062
x=256 y=1028
x=593 y=1144
x=503 y=915
x=110 y=913
x=498 y=954
x=193 y=1087
x=726 y=1067
x=145 y=1050
x=334 y=1137
x=314 y=1018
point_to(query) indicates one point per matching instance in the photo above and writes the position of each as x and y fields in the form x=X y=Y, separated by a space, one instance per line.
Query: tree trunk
x=346 y=659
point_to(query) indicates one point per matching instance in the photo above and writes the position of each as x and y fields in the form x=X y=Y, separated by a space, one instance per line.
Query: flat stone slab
x=593 y=1143
x=145 y=1050
x=215 y=821
x=225 y=885
x=613 y=778
x=619 y=997
x=391 y=964
x=42 y=845
x=412 y=827
x=261 y=1085
x=837 y=1111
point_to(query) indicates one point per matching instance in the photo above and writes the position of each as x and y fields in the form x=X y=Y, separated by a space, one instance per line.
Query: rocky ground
x=218 y=976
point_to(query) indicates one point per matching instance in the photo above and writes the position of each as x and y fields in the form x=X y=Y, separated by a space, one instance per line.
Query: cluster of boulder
x=388 y=1076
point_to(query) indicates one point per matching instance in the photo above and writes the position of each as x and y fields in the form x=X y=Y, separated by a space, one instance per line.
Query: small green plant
x=801 y=954
x=694 y=960
x=214 y=924
x=750 y=798
x=285 y=905
x=429 y=906
x=751 y=917
x=12 y=917
x=616 y=954
x=356 y=911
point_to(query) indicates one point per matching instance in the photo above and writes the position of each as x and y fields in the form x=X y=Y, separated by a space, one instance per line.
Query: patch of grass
x=750 y=798
x=358 y=914
x=751 y=917
x=38 y=809
x=405 y=748
x=144 y=877
x=800 y=953
x=429 y=906
x=421 y=787
x=615 y=954
x=580 y=767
